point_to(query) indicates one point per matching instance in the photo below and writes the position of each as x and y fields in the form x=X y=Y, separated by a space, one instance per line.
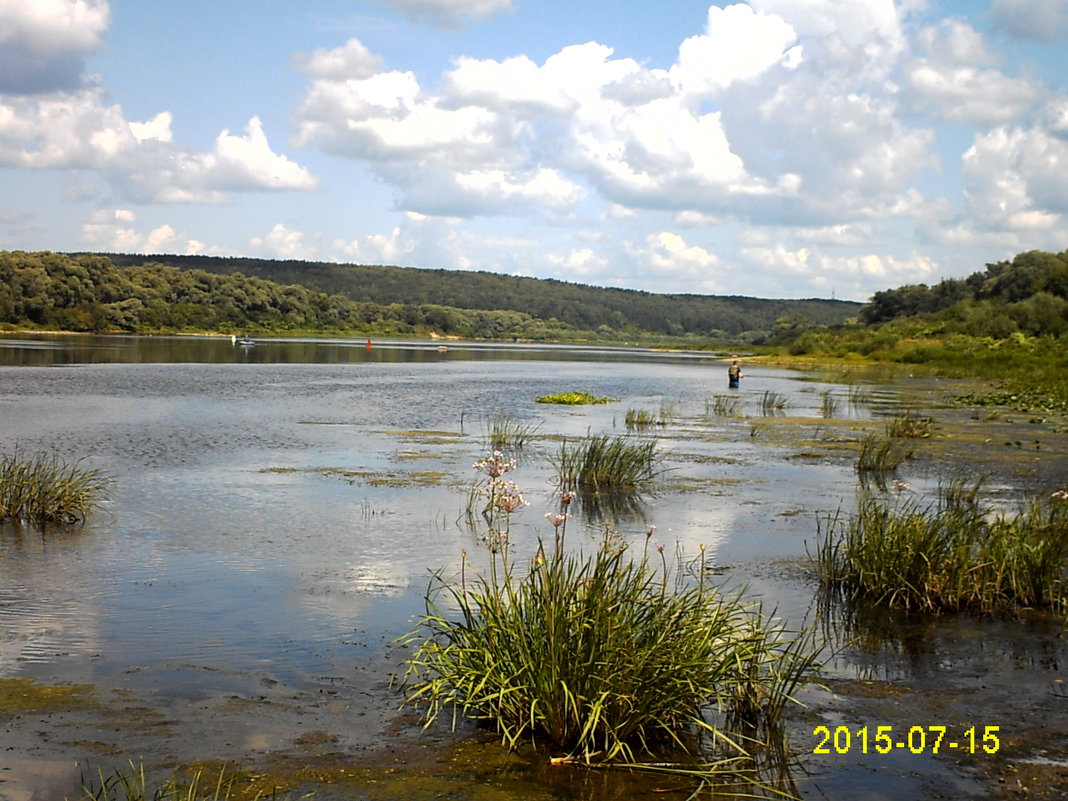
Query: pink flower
x=556 y=519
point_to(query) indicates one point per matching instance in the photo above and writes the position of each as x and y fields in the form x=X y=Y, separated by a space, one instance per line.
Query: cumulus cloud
x=78 y=131
x=1035 y=20
x=43 y=42
x=116 y=230
x=951 y=80
x=283 y=242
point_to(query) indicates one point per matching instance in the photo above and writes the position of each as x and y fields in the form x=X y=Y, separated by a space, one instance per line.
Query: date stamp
x=916 y=739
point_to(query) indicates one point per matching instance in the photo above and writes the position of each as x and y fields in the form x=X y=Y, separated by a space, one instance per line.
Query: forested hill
x=575 y=306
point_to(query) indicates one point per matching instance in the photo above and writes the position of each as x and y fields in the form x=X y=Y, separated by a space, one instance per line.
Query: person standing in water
x=734 y=375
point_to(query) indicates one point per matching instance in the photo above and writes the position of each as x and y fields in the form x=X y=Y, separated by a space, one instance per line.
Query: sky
x=768 y=148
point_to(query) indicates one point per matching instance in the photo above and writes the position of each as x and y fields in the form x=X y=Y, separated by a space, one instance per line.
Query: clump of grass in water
x=606 y=462
x=44 y=489
x=953 y=555
x=828 y=403
x=772 y=402
x=723 y=406
x=910 y=425
x=573 y=399
x=133 y=785
x=509 y=433
x=604 y=656
x=643 y=418
x=879 y=454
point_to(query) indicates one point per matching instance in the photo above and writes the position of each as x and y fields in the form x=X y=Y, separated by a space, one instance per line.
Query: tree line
x=115 y=292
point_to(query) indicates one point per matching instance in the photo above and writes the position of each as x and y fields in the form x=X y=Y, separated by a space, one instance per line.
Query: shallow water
x=276 y=511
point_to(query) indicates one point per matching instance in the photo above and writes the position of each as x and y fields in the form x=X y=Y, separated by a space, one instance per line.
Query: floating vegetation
x=573 y=399
x=953 y=555
x=604 y=656
x=44 y=489
x=606 y=462
x=21 y=695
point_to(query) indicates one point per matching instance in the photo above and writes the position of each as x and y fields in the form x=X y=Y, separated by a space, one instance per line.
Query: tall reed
x=952 y=555
x=44 y=489
x=606 y=462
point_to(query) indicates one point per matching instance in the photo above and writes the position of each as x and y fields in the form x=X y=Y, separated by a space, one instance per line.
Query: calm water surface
x=276 y=511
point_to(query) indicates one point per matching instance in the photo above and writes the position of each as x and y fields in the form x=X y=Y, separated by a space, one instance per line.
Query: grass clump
x=953 y=555
x=605 y=462
x=573 y=399
x=134 y=785
x=508 y=433
x=44 y=489
x=603 y=656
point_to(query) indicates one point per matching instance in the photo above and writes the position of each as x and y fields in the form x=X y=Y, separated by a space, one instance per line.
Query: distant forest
x=120 y=292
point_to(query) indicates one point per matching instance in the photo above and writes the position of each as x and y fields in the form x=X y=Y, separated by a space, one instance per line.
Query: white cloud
x=77 y=131
x=42 y=42
x=1037 y=20
x=953 y=82
x=1018 y=180
x=283 y=242
x=116 y=230
x=738 y=44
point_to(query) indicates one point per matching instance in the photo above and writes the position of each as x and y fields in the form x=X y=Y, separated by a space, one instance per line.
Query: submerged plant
x=953 y=555
x=604 y=656
x=603 y=462
x=44 y=489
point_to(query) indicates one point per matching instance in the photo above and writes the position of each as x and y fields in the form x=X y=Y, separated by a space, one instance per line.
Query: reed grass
x=772 y=402
x=723 y=406
x=601 y=655
x=508 y=433
x=607 y=462
x=910 y=425
x=133 y=785
x=828 y=403
x=643 y=418
x=952 y=555
x=44 y=489
x=882 y=454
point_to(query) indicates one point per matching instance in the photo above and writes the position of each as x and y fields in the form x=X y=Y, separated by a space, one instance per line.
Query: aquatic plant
x=605 y=462
x=507 y=432
x=772 y=402
x=44 y=489
x=828 y=403
x=601 y=655
x=909 y=425
x=723 y=405
x=573 y=399
x=133 y=785
x=643 y=418
x=953 y=555
x=881 y=454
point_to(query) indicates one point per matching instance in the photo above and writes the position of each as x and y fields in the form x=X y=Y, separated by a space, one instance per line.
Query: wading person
x=734 y=375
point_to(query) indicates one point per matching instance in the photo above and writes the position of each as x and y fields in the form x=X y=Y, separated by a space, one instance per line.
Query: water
x=276 y=511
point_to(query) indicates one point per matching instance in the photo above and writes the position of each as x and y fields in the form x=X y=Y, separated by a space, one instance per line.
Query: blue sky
x=769 y=148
